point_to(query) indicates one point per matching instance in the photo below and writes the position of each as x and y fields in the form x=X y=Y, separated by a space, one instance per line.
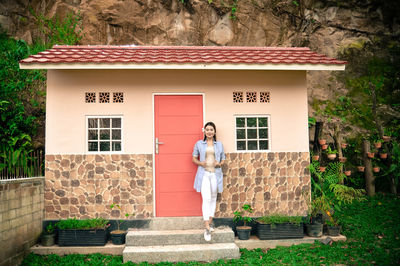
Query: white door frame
x=154 y=132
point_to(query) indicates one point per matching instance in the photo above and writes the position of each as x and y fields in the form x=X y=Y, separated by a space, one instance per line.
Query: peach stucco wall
x=66 y=107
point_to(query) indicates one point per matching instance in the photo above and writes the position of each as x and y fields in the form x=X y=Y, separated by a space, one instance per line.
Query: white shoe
x=207 y=235
x=212 y=229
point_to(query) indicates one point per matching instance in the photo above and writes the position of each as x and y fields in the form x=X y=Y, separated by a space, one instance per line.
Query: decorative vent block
x=104 y=97
x=118 y=97
x=251 y=97
x=90 y=97
x=264 y=97
x=238 y=97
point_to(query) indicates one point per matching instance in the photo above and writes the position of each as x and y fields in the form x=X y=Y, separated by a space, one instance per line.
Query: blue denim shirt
x=200 y=150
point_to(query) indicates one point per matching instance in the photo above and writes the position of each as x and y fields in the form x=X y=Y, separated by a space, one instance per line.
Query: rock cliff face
x=327 y=26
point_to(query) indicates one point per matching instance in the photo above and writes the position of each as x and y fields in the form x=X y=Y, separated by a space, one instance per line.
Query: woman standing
x=209 y=155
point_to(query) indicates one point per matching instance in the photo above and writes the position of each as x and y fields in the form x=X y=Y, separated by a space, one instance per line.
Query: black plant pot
x=82 y=237
x=314 y=230
x=243 y=232
x=334 y=230
x=118 y=238
x=47 y=239
x=279 y=231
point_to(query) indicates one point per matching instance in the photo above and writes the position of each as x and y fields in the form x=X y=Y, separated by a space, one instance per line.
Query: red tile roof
x=191 y=55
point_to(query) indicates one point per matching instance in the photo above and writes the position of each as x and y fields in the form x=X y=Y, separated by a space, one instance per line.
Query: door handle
x=158 y=143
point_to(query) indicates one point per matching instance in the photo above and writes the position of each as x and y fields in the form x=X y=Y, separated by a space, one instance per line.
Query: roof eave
x=337 y=67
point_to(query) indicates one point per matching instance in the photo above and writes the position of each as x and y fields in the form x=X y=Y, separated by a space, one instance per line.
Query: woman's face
x=209 y=131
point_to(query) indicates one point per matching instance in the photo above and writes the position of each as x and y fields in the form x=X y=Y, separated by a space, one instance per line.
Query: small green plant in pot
x=48 y=235
x=118 y=236
x=333 y=226
x=244 y=230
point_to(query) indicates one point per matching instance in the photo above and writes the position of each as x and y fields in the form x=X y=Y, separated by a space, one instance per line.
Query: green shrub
x=73 y=223
x=280 y=219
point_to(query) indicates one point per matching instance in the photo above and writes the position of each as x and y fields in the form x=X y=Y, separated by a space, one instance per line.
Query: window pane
x=240 y=121
x=263 y=133
x=92 y=122
x=93 y=146
x=104 y=134
x=105 y=146
x=93 y=134
x=241 y=133
x=241 y=145
x=116 y=122
x=116 y=134
x=252 y=145
x=263 y=145
x=251 y=133
x=105 y=122
x=252 y=122
x=262 y=122
x=116 y=146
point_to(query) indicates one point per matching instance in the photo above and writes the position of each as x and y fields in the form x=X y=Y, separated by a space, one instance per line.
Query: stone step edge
x=177 y=232
x=179 y=248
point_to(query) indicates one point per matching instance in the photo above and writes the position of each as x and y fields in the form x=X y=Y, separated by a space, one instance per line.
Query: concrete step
x=177 y=237
x=177 y=253
x=173 y=223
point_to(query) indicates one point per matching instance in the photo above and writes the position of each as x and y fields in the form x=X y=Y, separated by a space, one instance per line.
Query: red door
x=178 y=122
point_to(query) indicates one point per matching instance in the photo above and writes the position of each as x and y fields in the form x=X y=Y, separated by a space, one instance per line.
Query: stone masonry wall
x=269 y=182
x=84 y=186
x=21 y=216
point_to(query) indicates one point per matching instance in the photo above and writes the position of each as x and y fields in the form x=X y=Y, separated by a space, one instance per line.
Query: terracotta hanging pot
x=376 y=169
x=315 y=158
x=322 y=141
x=331 y=156
x=342 y=159
x=322 y=168
x=383 y=155
x=347 y=173
x=343 y=145
x=324 y=146
x=361 y=168
x=386 y=138
x=370 y=154
x=378 y=144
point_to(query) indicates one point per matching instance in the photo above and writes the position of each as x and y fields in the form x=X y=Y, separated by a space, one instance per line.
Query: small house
x=121 y=123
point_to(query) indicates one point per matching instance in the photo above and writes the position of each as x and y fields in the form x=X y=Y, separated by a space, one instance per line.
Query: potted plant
x=370 y=155
x=322 y=169
x=331 y=154
x=118 y=236
x=347 y=172
x=279 y=227
x=322 y=141
x=386 y=138
x=343 y=145
x=376 y=169
x=361 y=168
x=315 y=157
x=342 y=159
x=378 y=144
x=324 y=146
x=48 y=235
x=333 y=228
x=87 y=232
x=243 y=231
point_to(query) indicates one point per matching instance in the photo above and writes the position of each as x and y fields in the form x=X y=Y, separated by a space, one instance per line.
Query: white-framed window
x=104 y=134
x=252 y=132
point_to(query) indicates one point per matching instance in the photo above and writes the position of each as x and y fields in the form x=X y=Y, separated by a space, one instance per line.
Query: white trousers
x=209 y=195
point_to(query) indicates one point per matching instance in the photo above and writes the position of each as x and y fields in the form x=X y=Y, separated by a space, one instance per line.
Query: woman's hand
x=197 y=162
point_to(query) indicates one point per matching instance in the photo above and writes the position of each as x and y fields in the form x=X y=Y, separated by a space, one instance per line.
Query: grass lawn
x=372 y=229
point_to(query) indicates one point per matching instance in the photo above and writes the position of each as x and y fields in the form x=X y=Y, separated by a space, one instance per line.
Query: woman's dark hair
x=215 y=130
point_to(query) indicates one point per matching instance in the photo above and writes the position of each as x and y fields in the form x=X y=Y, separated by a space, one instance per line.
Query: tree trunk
x=317 y=135
x=338 y=142
x=369 y=176
x=393 y=188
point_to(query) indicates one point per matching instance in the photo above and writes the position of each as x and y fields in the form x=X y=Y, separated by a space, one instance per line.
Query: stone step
x=177 y=237
x=173 y=223
x=177 y=253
